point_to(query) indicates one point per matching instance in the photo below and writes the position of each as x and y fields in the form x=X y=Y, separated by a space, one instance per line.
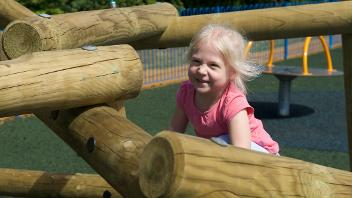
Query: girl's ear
x=232 y=74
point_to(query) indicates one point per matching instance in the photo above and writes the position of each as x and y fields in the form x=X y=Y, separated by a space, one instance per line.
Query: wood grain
x=11 y=10
x=178 y=165
x=118 y=143
x=2 y=52
x=64 y=79
x=29 y=183
x=347 y=64
x=261 y=24
x=71 y=30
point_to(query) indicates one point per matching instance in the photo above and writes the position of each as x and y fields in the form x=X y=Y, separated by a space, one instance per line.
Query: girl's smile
x=202 y=81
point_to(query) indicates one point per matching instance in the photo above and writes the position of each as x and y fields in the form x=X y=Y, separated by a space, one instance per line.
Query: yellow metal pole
x=305 y=55
x=248 y=48
x=271 y=54
x=326 y=51
x=327 y=54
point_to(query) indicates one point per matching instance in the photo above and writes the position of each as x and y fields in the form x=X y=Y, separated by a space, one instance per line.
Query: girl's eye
x=214 y=66
x=195 y=61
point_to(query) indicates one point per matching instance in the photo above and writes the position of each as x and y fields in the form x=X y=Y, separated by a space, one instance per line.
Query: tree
x=61 y=6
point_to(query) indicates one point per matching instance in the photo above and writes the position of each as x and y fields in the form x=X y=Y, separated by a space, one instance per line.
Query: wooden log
x=27 y=183
x=347 y=64
x=11 y=10
x=110 y=143
x=119 y=107
x=2 y=53
x=69 y=78
x=261 y=24
x=178 y=165
x=98 y=27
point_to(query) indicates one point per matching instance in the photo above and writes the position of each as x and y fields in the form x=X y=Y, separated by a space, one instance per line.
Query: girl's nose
x=202 y=69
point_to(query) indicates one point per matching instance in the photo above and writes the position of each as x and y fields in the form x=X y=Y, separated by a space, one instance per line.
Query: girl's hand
x=239 y=130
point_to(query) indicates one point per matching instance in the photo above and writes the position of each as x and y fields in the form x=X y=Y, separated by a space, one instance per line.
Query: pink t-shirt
x=214 y=122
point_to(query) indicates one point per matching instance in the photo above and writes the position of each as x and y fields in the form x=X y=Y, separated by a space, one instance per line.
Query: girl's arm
x=179 y=121
x=239 y=130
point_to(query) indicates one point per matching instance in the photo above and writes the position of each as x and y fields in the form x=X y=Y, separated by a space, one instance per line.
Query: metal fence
x=168 y=66
x=233 y=8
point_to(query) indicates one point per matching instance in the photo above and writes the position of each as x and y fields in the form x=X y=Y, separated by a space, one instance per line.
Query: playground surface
x=315 y=131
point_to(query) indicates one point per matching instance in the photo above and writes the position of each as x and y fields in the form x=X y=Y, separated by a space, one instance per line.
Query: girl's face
x=208 y=71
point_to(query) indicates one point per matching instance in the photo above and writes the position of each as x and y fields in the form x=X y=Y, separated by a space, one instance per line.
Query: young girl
x=213 y=99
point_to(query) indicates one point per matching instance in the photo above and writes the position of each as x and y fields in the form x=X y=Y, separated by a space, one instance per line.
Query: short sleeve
x=181 y=94
x=235 y=104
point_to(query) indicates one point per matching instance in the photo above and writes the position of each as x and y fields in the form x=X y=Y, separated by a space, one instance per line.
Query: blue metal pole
x=331 y=41
x=285 y=49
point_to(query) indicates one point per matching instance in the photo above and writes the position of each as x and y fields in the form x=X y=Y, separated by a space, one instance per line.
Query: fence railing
x=168 y=66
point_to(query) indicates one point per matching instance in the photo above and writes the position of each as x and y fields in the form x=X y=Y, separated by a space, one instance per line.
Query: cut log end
x=157 y=168
x=2 y=53
x=20 y=38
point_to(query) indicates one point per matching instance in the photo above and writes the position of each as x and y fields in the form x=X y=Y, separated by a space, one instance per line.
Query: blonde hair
x=231 y=44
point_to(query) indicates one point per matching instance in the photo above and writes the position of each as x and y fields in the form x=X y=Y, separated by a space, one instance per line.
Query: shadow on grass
x=268 y=110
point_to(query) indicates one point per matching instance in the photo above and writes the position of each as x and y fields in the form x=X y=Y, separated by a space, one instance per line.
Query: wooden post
x=347 y=64
x=261 y=24
x=110 y=143
x=178 y=165
x=71 y=30
x=11 y=10
x=69 y=78
x=29 y=183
